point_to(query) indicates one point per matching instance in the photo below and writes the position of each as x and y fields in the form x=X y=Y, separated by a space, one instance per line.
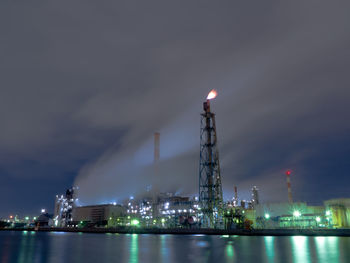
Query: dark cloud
x=85 y=84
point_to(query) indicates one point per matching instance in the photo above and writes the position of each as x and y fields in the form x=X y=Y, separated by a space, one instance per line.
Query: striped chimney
x=290 y=199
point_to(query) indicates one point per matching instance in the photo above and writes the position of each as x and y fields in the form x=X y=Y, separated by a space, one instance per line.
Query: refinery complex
x=207 y=210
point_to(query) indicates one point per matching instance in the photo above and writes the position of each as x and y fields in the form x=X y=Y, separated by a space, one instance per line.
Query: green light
x=135 y=222
x=270 y=252
x=34 y=218
x=27 y=218
x=81 y=222
x=110 y=218
x=163 y=220
x=318 y=219
x=296 y=213
x=229 y=251
x=134 y=249
x=267 y=216
x=328 y=213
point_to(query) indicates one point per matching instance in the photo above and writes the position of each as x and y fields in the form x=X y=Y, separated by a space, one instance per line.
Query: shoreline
x=183 y=231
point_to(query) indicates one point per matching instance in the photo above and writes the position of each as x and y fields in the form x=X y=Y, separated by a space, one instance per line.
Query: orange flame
x=212 y=94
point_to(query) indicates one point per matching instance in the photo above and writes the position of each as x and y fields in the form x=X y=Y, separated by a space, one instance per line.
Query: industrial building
x=208 y=210
x=64 y=205
x=338 y=212
x=290 y=215
x=100 y=215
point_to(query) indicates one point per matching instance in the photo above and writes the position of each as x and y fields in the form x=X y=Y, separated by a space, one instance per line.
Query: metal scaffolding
x=210 y=187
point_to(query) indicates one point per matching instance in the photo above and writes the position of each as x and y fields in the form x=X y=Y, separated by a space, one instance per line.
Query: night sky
x=85 y=84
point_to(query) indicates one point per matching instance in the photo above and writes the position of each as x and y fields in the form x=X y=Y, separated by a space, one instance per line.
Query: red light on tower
x=288 y=172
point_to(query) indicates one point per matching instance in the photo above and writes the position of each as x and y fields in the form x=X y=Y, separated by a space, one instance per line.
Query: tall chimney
x=155 y=190
x=156 y=147
x=290 y=199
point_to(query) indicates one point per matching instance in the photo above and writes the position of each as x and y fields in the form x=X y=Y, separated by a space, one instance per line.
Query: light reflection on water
x=300 y=250
x=27 y=247
x=269 y=248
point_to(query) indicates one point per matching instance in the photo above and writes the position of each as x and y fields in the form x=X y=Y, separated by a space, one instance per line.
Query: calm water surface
x=78 y=247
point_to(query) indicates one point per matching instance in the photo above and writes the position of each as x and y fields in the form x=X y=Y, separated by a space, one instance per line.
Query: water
x=78 y=247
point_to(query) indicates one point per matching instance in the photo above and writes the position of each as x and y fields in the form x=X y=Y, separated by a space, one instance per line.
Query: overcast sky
x=85 y=84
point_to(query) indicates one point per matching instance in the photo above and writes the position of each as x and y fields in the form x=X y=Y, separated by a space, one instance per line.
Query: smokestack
x=156 y=147
x=236 y=195
x=290 y=199
x=155 y=189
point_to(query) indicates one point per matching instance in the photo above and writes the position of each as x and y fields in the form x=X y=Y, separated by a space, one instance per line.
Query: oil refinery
x=158 y=210
x=208 y=210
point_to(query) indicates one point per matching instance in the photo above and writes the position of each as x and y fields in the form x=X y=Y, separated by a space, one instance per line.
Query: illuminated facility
x=208 y=210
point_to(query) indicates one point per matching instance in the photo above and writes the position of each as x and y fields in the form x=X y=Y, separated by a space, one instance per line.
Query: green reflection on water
x=22 y=256
x=229 y=251
x=26 y=248
x=134 y=249
x=163 y=249
x=327 y=249
x=270 y=251
x=300 y=249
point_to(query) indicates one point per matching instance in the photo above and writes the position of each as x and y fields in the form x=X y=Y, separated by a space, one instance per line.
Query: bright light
x=43 y=210
x=328 y=213
x=318 y=219
x=135 y=222
x=163 y=220
x=114 y=203
x=267 y=216
x=296 y=213
x=288 y=172
x=212 y=94
x=27 y=218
